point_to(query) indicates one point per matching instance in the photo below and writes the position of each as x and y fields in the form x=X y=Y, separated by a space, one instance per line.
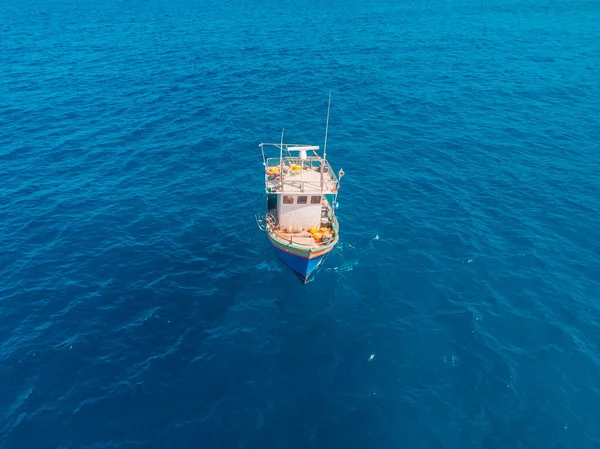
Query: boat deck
x=302 y=181
x=299 y=238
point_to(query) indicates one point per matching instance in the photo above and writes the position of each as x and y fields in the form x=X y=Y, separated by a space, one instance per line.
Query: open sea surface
x=141 y=307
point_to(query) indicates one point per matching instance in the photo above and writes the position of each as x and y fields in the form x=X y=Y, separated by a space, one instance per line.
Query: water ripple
x=142 y=308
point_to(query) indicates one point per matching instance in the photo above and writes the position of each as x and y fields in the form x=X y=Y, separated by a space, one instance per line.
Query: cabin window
x=302 y=200
x=288 y=199
x=315 y=200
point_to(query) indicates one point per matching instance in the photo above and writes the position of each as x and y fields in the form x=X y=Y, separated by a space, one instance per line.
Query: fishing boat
x=301 y=192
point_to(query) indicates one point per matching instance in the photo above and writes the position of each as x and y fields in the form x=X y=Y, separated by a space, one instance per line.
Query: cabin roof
x=307 y=180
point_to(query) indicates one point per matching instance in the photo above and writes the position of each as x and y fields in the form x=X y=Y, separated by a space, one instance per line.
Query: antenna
x=327 y=127
x=281 y=159
x=325 y=145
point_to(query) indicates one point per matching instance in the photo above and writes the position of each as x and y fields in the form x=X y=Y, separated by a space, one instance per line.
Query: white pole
x=302 y=174
x=281 y=160
x=325 y=145
x=327 y=128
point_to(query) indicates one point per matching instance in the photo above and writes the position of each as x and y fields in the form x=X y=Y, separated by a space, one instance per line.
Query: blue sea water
x=140 y=306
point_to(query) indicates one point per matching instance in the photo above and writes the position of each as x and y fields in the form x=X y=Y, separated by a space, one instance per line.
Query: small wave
x=348 y=266
x=268 y=266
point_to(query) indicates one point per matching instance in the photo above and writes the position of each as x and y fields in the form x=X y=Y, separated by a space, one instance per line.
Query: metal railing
x=311 y=163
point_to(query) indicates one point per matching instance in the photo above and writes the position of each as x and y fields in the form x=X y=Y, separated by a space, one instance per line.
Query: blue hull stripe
x=304 y=267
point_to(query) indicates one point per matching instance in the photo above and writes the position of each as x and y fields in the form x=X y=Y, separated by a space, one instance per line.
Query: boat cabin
x=298 y=211
x=300 y=193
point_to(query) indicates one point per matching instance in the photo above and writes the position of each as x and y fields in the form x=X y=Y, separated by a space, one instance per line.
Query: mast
x=325 y=145
x=281 y=160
